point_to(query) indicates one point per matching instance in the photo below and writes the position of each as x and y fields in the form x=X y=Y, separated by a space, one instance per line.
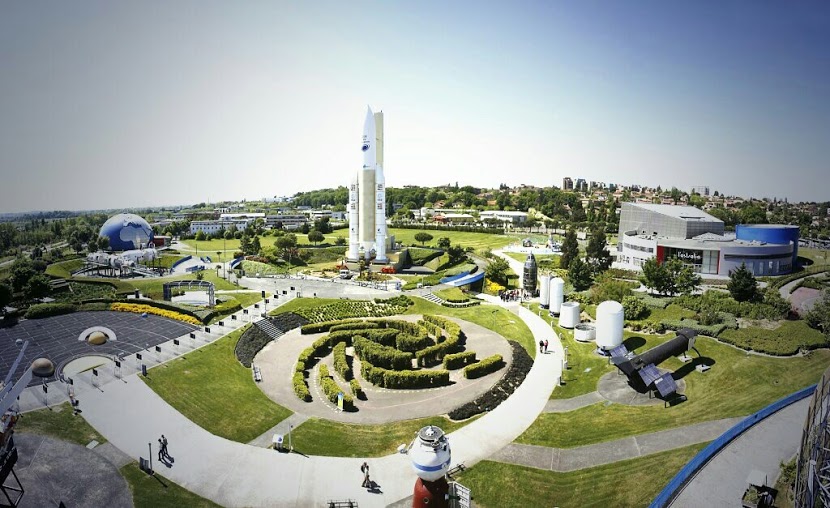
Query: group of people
x=543 y=346
x=512 y=295
x=164 y=455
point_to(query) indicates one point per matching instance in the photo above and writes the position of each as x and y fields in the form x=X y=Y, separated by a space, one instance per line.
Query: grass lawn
x=737 y=385
x=672 y=311
x=245 y=299
x=157 y=491
x=211 y=388
x=154 y=287
x=211 y=247
x=633 y=482
x=787 y=339
x=59 y=422
x=478 y=241
x=165 y=260
x=252 y=268
x=454 y=294
x=302 y=303
x=334 y=439
x=497 y=319
x=64 y=269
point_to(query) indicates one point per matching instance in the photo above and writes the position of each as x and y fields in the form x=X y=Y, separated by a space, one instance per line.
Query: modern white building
x=509 y=217
x=367 y=197
x=212 y=226
x=698 y=239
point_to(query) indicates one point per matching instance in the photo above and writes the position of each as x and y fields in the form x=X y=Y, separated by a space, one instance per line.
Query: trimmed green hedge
x=332 y=389
x=458 y=360
x=383 y=356
x=357 y=391
x=300 y=388
x=44 y=310
x=325 y=326
x=357 y=325
x=356 y=308
x=433 y=355
x=404 y=379
x=412 y=343
x=484 y=367
x=341 y=364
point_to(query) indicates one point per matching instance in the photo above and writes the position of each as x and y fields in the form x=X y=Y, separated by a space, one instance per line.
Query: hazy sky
x=123 y=104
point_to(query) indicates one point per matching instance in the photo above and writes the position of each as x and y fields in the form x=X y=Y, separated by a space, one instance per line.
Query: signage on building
x=694 y=257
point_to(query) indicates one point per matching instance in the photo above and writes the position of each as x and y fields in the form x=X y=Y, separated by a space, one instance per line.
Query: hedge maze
x=393 y=354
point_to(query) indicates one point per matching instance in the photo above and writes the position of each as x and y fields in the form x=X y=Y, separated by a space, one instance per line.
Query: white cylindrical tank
x=609 y=324
x=557 y=294
x=585 y=332
x=544 y=291
x=569 y=314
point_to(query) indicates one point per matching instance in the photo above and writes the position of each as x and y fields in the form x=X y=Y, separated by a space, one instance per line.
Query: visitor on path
x=541 y=346
x=164 y=446
x=365 y=469
x=161 y=451
x=546 y=346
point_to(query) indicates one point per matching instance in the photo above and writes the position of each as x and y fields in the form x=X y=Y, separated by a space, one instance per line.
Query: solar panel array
x=619 y=351
x=666 y=385
x=649 y=374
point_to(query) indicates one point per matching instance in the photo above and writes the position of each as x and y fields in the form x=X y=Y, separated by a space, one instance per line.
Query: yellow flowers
x=149 y=309
x=493 y=288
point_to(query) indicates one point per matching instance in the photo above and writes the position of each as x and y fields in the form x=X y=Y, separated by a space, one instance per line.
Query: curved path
x=130 y=415
x=277 y=360
x=722 y=481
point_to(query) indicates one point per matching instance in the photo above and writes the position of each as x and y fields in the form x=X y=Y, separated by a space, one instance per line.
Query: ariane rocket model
x=367 y=197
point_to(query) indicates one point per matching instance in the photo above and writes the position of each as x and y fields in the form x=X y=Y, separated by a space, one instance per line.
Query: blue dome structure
x=781 y=234
x=127 y=231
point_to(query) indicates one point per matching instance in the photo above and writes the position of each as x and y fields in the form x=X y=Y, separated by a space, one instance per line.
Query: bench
x=257 y=373
x=458 y=468
x=346 y=503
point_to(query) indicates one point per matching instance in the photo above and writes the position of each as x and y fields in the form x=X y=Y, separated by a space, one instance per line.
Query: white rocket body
x=367 y=196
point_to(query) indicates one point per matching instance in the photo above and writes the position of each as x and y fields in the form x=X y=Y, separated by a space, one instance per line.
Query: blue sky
x=123 y=104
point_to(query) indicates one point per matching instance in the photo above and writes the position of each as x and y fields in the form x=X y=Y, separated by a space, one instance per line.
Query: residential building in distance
x=703 y=190
x=504 y=216
x=567 y=183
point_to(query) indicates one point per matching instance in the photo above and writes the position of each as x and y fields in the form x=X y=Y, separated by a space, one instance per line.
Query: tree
x=424 y=238
x=339 y=241
x=496 y=270
x=596 y=254
x=305 y=228
x=287 y=246
x=200 y=275
x=37 y=287
x=22 y=270
x=679 y=278
x=654 y=275
x=819 y=315
x=444 y=243
x=315 y=237
x=742 y=284
x=6 y=295
x=608 y=288
x=570 y=249
x=256 y=246
x=200 y=236
x=245 y=244
x=579 y=274
x=455 y=252
x=103 y=243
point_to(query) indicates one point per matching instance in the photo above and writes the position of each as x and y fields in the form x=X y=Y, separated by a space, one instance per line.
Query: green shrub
x=433 y=355
x=300 y=388
x=324 y=370
x=412 y=343
x=678 y=324
x=341 y=364
x=354 y=309
x=583 y=297
x=634 y=308
x=380 y=355
x=484 y=367
x=404 y=379
x=458 y=360
x=387 y=337
x=773 y=306
x=357 y=391
x=249 y=344
x=44 y=310
x=355 y=325
x=325 y=326
x=332 y=389
x=655 y=302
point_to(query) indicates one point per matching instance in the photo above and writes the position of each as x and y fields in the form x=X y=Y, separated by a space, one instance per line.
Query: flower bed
x=141 y=309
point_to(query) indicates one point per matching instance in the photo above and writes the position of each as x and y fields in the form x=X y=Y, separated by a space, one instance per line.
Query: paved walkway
x=130 y=415
x=574 y=403
x=763 y=447
x=572 y=459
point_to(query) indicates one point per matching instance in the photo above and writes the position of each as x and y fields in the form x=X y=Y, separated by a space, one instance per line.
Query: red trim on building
x=661 y=254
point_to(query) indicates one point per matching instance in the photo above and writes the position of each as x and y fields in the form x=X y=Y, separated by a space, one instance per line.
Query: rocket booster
x=369 y=140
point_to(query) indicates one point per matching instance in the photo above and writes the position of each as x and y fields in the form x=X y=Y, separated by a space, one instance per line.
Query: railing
x=673 y=488
x=177 y=263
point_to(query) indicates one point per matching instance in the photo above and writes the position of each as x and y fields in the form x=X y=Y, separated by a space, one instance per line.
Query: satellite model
x=642 y=369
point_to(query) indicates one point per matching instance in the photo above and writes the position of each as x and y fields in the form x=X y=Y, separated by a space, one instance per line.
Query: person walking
x=365 y=469
x=161 y=451
x=546 y=346
x=541 y=346
x=164 y=446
